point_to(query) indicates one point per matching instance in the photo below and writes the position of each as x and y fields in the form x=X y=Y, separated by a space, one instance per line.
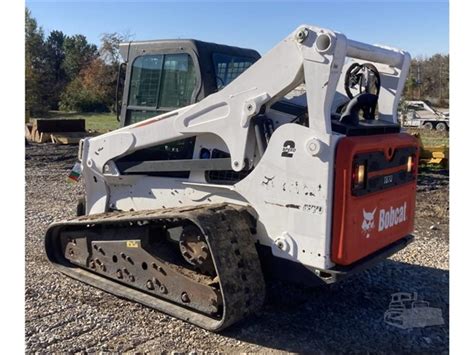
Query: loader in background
x=222 y=176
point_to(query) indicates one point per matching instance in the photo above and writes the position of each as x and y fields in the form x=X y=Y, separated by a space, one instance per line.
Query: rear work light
x=410 y=163
x=358 y=175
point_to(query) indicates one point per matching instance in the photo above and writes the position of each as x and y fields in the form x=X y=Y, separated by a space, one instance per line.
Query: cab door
x=158 y=82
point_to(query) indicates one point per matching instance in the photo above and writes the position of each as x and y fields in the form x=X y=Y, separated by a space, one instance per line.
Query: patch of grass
x=96 y=122
x=431 y=138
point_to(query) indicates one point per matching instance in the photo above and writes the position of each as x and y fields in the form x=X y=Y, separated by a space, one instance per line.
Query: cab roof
x=200 y=47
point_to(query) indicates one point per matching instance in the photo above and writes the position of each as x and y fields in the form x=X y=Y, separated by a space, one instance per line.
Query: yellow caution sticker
x=132 y=243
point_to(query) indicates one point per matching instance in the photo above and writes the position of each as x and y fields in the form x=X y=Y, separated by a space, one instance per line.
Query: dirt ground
x=65 y=315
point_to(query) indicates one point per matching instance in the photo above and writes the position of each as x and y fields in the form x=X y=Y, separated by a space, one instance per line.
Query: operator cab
x=163 y=75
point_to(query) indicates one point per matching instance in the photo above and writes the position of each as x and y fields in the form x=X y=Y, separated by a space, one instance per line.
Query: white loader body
x=290 y=186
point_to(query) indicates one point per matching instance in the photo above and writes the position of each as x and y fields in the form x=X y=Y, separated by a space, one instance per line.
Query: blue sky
x=421 y=27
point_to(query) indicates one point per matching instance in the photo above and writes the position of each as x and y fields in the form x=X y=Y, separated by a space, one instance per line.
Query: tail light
x=411 y=163
x=359 y=175
x=373 y=171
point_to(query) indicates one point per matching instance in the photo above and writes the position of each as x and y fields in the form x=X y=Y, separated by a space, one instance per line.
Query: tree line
x=68 y=73
x=428 y=79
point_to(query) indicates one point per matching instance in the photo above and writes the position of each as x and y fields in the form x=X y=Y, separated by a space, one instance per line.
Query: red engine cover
x=366 y=221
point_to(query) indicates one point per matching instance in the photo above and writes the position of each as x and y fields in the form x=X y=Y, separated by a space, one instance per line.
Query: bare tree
x=109 y=48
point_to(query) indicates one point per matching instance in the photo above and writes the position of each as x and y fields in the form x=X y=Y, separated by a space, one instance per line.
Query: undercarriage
x=197 y=263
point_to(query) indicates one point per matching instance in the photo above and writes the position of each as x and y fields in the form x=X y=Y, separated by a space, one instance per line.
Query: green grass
x=431 y=138
x=95 y=122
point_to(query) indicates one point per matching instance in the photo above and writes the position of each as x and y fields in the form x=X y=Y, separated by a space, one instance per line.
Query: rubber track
x=232 y=247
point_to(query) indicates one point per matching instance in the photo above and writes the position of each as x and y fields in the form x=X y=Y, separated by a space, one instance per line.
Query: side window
x=145 y=81
x=178 y=81
x=162 y=81
x=228 y=67
x=415 y=107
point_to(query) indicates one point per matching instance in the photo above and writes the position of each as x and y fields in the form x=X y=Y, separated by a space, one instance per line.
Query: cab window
x=228 y=67
x=145 y=80
x=178 y=81
x=160 y=83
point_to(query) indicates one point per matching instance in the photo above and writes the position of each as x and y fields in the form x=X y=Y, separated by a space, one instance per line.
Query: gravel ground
x=66 y=315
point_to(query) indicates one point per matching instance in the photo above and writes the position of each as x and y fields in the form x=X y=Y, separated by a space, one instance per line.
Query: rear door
x=374 y=196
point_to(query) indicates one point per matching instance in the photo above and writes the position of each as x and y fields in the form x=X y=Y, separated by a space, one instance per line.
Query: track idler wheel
x=195 y=250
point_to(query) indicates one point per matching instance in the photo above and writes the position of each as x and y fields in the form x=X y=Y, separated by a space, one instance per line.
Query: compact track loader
x=231 y=168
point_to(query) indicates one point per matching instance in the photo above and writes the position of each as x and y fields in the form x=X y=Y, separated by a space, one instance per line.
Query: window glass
x=415 y=107
x=145 y=80
x=134 y=116
x=178 y=81
x=228 y=67
x=162 y=81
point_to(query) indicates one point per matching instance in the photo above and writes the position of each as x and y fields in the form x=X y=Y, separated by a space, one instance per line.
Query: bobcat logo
x=368 y=224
